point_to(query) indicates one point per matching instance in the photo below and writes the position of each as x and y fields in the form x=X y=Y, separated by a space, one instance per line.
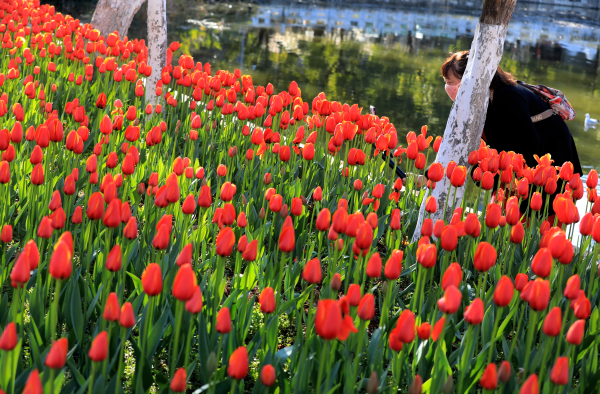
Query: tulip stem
x=53 y=315
x=91 y=386
x=175 y=349
x=544 y=357
x=465 y=357
x=143 y=341
x=415 y=298
x=532 y=328
x=188 y=342
x=105 y=362
x=322 y=366
x=493 y=339
x=386 y=302
x=50 y=383
x=594 y=268
x=121 y=352
x=361 y=332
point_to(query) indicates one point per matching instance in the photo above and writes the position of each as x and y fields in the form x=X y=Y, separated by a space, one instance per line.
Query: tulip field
x=219 y=237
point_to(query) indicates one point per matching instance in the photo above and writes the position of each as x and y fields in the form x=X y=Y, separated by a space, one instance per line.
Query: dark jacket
x=508 y=127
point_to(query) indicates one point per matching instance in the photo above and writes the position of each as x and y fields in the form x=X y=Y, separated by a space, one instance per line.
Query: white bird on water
x=589 y=123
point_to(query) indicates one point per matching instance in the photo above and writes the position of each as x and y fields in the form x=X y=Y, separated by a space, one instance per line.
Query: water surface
x=387 y=57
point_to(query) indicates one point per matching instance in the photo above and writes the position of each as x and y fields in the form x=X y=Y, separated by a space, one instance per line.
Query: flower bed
x=225 y=237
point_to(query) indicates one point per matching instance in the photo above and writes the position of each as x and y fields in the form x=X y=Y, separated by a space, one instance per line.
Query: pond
x=388 y=57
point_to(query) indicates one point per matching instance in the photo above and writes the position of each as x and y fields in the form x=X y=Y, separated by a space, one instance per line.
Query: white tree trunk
x=111 y=15
x=157 y=45
x=467 y=116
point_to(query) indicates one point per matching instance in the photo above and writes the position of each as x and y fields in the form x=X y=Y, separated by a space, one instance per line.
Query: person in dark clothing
x=512 y=121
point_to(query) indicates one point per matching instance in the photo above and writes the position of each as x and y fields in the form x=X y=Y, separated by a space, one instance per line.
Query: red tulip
x=437 y=328
x=354 y=294
x=127 y=318
x=406 y=326
x=424 y=331
x=560 y=372
x=393 y=266
x=517 y=233
x=449 y=238
x=267 y=375
x=504 y=292
x=45 y=228
x=267 y=300
x=536 y=201
x=37 y=174
x=572 y=288
x=329 y=323
x=161 y=238
x=114 y=259
x=542 y=263
x=242 y=221
x=553 y=322
x=194 y=304
x=32 y=254
x=489 y=379
x=431 y=205
x=152 y=280
x=95 y=208
x=185 y=283
x=450 y=302
x=459 y=174
x=225 y=241
x=227 y=191
x=224 y=321
x=21 y=272
x=452 y=276
x=189 y=205
x=179 y=381
x=485 y=257
x=575 y=333
x=287 y=238
x=112 y=310
x=487 y=181
x=130 y=230
x=312 y=271
x=537 y=293
x=323 y=220
x=474 y=312
x=374 y=266
x=297 y=207
x=238 y=363
x=205 y=198
x=492 y=216
x=61 y=261
x=472 y=225
x=99 y=349
x=33 y=384
x=531 y=385
x=427 y=255
x=9 y=337
x=5 y=173
x=366 y=307
x=57 y=356
x=185 y=256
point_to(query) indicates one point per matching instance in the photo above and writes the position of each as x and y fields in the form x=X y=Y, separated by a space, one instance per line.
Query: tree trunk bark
x=111 y=15
x=467 y=116
x=157 y=45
